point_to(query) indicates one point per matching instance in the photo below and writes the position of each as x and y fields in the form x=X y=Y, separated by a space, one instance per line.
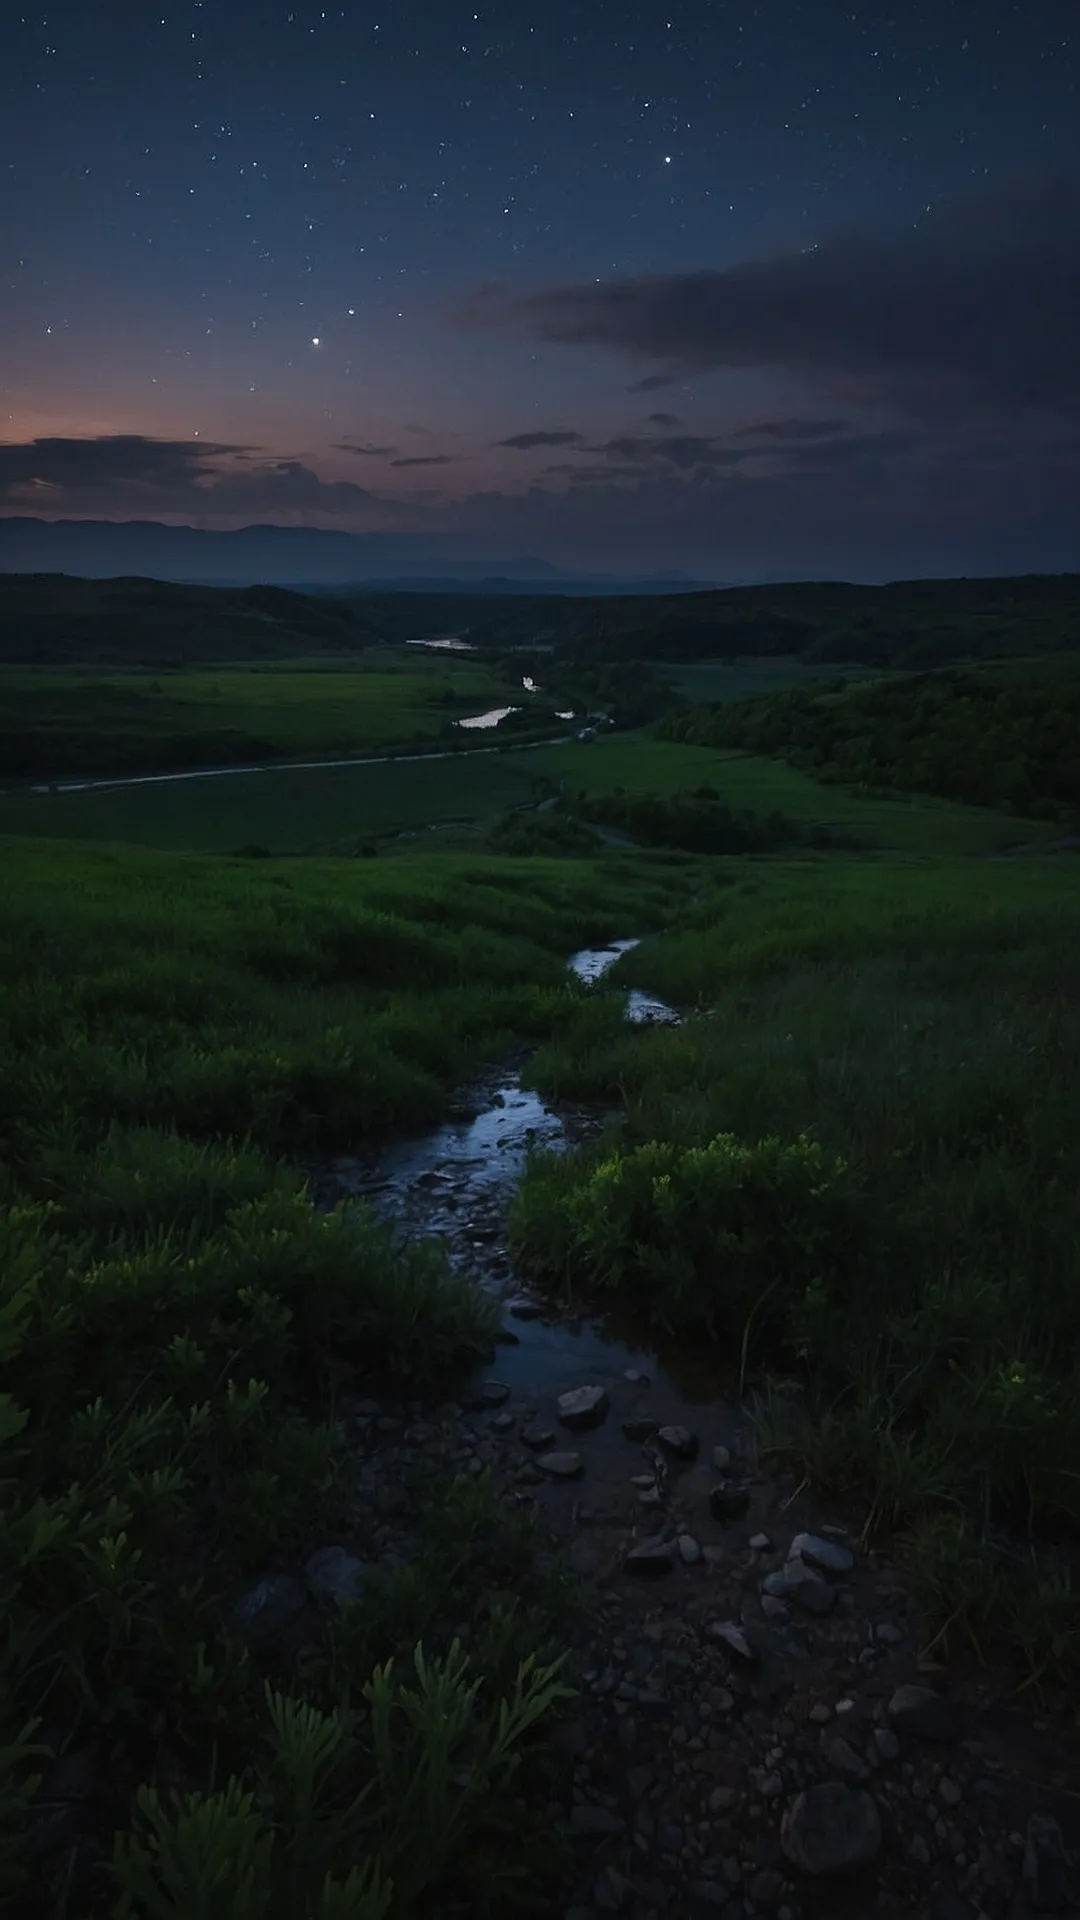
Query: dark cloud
x=684 y=450
x=424 y=460
x=664 y=419
x=524 y=442
x=977 y=302
x=361 y=447
x=794 y=429
x=134 y=474
x=652 y=383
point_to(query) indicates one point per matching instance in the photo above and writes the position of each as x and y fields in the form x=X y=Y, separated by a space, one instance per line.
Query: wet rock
x=731 y=1635
x=561 y=1466
x=1046 y=1865
x=827 y=1555
x=334 y=1577
x=761 y=1543
x=650 y=1557
x=268 y=1606
x=841 y=1758
x=689 y=1550
x=831 y=1829
x=921 y=1711
x=814 y=1596
x=589 y=1822
x=729 y=1501
x=640 y=1431
x=492 y=1393
x=537 y=1435
x=582 y=1407
x=680 y=1442
x=525 y=1309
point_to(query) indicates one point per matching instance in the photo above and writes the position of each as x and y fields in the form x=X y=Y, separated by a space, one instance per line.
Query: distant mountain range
x=301 y=557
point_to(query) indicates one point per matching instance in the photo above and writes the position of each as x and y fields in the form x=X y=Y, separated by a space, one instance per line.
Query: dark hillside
x=55 y=619
x=1004 y=736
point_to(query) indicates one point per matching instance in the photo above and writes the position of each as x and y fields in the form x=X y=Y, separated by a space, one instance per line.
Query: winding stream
x=455 y=1184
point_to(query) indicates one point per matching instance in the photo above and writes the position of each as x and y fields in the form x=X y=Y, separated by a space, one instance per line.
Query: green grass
x=178 y=1327
x=702 y=681
x=917 y=1023
x=336 y=809
x=73 y=725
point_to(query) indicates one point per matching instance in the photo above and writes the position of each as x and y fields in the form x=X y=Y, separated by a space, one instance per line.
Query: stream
x=455 y=1183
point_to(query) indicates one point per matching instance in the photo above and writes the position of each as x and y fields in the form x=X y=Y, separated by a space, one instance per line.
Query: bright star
x=315 y=341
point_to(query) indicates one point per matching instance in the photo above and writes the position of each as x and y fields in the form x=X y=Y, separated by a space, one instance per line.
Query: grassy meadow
x=856 y=1166
x=179 y=1327
x=66 y=724
x=336 y=810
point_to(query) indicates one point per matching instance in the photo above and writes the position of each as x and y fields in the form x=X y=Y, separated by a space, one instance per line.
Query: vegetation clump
x=1002 y=736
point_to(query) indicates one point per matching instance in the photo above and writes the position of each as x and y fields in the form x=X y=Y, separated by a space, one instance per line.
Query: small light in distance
x=315 y=340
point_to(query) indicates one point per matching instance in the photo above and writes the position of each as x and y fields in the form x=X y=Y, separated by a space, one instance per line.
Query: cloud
x=664 y=419
x=793 y=429
x=424 y=460
x=686 y=450
x=652 y=383
x=526 y=441
x=977 y=303
x=362 y=448
x=122 y=474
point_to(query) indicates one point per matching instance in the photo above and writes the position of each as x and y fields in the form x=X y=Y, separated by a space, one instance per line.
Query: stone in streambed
x=679 y=1441
x=650 y=1557
x=582 y=1407
x=828 y=1556
x=561 y=1466
x=537 y=1435
x=921 y=1711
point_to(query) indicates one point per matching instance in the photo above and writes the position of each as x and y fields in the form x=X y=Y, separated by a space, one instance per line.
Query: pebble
x=537 y=1435
x=886 y=1744
x=689 y=1550
x=721 y=1459
x=761 y=1543
x=841 y=1757
x=731 y=1635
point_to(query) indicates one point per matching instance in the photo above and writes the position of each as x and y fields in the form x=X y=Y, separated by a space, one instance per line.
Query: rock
x=643 y=1479
x=841 y=1758
x=774 y=1608
x=525 y=1309
x=921 y=1711
x=582 y=1407
x=729 y=1502
x=334 y=1577
x=731 y=1635
x=537 y=1435
x=264 y=1610
x=502 y=1423
x=831 y=1829
x=820 y=1714
x=640 y=1431
x=721 y=1458
x=650 y=1557
x=491 y=1394
x=651 y=1497
x=887 y=1635
x=636 y=1377
x=680 y=1442
x=886 y=1744
x=594 y=1822
x=918 y=1851
x=761 y=1543
x=722 y=1799
x=814 y=1596
x=949 y=1793
x=1046 y=1866
x=689 y=1550
x=561 y=1466
x=827 y=1555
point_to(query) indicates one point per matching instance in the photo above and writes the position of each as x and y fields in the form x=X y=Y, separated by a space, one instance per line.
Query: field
x=72 y=725
x=338 y=809
x=854 y=1171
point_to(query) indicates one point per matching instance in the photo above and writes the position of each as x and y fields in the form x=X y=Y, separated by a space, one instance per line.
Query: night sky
x=744 y=291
